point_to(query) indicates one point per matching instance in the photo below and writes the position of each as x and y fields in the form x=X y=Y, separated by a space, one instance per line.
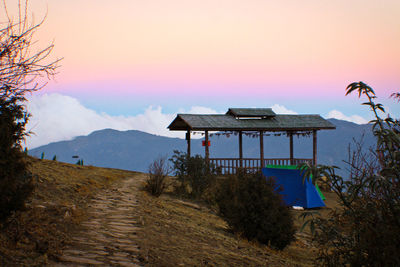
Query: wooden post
x=261 y=149
x=207 y=151
x=314 y=147
x=188 y=142
x=240 y=149
x=291 y=147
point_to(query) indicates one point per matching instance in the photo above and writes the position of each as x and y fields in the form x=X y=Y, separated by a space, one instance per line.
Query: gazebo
x=252 y=120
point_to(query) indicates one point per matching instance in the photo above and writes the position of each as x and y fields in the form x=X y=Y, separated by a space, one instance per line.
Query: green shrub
x=195 y=174
x=158 y=172
x=250 y=206
x=15 y=182
x=365 y=229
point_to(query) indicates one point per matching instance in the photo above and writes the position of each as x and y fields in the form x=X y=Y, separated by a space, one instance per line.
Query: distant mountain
x=135 y=150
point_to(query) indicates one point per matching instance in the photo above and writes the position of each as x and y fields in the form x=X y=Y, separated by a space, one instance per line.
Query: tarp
x=294 y=167
x=294 y=191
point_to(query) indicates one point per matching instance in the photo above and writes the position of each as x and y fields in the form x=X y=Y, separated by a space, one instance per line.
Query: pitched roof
x=251 y=112
x=227 y=122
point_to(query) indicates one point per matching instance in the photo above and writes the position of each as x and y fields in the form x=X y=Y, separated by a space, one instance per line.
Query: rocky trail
x=107 y=237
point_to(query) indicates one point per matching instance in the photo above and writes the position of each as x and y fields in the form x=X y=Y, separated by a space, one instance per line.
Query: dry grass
x=55 y=208
x=174 y=231
x=183 y=233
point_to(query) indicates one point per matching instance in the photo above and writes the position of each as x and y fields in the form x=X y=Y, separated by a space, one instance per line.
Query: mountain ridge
x=135 y=150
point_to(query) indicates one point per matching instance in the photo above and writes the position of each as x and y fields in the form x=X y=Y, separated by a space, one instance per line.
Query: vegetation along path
x=108 y=236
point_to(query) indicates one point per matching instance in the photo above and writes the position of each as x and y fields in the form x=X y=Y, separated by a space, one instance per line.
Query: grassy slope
x=175 y=232
x=55 y=209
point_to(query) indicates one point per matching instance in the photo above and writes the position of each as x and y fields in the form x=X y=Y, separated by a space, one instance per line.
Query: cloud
x=279 y=109
x=335 y=114
x=57 y=117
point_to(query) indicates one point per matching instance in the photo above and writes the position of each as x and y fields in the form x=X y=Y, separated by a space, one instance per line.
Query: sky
x=133 y=64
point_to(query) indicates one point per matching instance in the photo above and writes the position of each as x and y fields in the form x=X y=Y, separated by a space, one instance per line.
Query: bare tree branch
x=22 y=68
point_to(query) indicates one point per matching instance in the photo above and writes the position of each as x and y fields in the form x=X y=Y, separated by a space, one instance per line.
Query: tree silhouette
x=23 y=69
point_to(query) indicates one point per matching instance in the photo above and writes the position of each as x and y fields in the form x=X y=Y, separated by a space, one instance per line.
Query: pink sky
x=218 y=48
x=122 y=56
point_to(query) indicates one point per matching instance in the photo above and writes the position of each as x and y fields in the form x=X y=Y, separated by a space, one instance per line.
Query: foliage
x=195 y=174
x=15 y=182
x=250 y=206
x=364 y=231
x=20 y=66
x=158 y=172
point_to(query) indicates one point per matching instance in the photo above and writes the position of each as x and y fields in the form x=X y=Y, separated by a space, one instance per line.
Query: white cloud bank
x=57 y=117
x=335 y=114
x=279 y=109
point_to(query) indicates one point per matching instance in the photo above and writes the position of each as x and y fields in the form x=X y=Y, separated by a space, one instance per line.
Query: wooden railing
x=230 y=165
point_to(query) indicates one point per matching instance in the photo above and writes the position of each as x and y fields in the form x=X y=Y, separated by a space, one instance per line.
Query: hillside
x=135 y=150
x=61 y=212
x=38 y=235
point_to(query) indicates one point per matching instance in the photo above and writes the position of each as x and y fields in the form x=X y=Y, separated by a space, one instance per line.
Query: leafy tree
x=21 y=66
x=15 y=184
x=365 y=229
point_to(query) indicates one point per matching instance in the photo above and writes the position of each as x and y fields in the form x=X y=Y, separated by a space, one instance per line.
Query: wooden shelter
x=251 y=120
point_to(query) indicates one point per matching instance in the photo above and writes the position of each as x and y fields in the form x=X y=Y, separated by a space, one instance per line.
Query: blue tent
x=294 y=191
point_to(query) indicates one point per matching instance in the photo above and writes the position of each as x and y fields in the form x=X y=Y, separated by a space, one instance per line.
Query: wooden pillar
x=291 y=147
x=314 y=147
x=207 y=151
x=188 y=142
x=241 y=149
x=261 y=149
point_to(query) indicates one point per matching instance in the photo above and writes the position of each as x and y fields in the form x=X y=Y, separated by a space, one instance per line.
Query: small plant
x=251 y=207
x=158 y=172
x=365 y=230
x=195 y=174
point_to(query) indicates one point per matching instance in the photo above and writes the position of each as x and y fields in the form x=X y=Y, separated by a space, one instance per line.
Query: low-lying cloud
x=57 y=117
x=336 y=114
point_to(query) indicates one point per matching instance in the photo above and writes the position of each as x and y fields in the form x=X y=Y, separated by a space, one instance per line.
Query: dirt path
x=108 y=236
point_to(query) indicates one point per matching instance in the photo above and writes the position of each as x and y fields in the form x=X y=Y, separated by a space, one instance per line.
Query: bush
x=195 y=174
x=250 y=206
x=365 y=230
x=158 y=172
x=15 y=182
